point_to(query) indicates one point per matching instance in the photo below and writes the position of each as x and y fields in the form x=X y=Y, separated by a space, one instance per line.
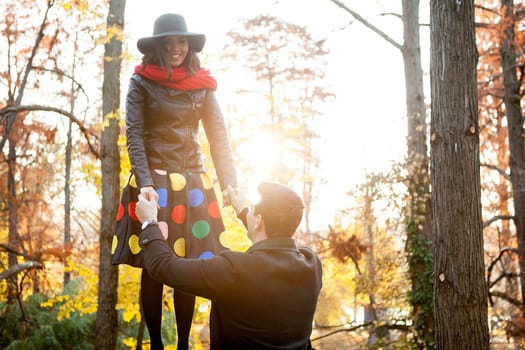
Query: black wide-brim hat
x=171 y=24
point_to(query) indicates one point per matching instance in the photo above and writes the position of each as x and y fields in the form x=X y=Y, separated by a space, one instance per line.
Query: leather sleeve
x=216 y=132
x=135 y=106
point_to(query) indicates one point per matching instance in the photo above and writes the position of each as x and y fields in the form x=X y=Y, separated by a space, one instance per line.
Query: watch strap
x=148 y=222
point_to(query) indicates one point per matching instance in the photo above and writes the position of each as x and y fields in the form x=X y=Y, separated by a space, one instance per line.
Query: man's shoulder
x=232 y=254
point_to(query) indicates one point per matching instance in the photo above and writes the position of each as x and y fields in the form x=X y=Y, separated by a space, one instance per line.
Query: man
x=263 y=298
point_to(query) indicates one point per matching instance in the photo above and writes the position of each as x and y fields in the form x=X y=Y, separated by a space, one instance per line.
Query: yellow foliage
x=3 y=261
x=127 y=56
x=128 y=292
x=79 y=5
x=85 y=299
x=3 y=291
x=112 y=115
x=91 y=172
x=338 y=295
x=131 y=342
x=114 y=32
x=125 y=164
x=121 y=142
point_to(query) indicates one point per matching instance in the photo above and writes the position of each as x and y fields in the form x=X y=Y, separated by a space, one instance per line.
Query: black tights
x=151 y=295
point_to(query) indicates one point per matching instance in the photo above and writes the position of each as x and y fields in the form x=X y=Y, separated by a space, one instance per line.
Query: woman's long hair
x=158 y=55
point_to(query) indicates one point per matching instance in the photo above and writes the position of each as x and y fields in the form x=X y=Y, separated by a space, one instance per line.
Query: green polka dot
x=200 y=229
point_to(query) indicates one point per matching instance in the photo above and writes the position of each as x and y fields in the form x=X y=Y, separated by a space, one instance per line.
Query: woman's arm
x=215 y=128
x=135 y=132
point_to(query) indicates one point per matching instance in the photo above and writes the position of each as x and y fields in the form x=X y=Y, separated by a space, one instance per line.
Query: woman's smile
x=177 y=47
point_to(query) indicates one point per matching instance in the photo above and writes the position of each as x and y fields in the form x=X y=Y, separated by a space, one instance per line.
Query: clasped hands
x=147 y=206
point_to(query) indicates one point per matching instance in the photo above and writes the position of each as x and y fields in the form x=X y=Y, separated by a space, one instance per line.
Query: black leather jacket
x=162 y=131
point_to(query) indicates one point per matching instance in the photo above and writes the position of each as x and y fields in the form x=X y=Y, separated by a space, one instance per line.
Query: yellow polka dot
x=224 y=239
x=114 y=244
x=180 y=247
x=206 y=181
x=134 y=244
x=177 y=181
x=133 y=181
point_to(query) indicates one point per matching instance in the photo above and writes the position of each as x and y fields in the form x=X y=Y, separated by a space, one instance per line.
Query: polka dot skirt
x=189 y=217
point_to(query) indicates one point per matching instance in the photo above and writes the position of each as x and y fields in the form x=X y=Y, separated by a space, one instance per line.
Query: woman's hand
x=226 y=200
x=234 y=197
x=150 y=194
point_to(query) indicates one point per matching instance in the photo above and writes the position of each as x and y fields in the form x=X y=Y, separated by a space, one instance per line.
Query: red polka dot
x=120 y=212
x=131 y=211
x=213 y=210
x=178 y=214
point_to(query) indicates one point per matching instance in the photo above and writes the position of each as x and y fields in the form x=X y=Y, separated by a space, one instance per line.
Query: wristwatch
x=148 y=222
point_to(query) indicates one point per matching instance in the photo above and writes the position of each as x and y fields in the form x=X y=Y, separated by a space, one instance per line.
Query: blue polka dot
x=163 y=197
x=196 y=197
x=206 y=255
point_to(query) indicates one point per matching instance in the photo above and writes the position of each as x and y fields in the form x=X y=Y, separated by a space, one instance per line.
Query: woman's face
x=177 y=47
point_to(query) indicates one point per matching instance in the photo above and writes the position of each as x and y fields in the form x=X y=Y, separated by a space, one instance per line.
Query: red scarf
x=180 y=79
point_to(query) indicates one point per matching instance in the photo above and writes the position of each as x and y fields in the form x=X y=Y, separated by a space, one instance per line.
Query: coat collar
x=274 y=243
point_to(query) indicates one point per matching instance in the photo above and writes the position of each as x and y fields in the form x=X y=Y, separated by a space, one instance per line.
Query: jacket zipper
x=188 y=133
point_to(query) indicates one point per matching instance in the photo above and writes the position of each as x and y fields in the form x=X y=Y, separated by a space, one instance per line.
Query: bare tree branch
x=505 y=297
x=29 y=66
x=16 y=269
x=498 y=258
x=497 y=217
x=9 y=249
x=502 y=276
x=79 y=123
x=490 y=283
x=369 y=25
x=391 y=14
x=351 y=329
x=483 y=8
x=364 y=325
x=499 y=170
x=64 y=74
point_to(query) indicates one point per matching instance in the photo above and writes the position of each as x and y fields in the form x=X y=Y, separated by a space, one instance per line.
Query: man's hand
x=236 y=198
x=146 y=209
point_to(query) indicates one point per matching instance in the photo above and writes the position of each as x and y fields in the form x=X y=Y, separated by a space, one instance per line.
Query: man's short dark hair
x=280 y=208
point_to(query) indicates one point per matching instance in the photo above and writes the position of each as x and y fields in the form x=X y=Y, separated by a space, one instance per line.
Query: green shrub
x=37 y=328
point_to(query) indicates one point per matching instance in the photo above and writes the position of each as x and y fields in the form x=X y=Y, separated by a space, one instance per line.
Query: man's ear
x=259 y=222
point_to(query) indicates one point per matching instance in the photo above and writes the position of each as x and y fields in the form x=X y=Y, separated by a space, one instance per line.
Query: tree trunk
x=369 y=220
x=14 y=242
x=68 y=161
x=67 y=202
x=516 y=133
x=460 y=290
x=107 y=321
x=418 y=216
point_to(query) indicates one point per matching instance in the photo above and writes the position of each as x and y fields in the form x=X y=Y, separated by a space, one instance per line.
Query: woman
x=169 y=93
